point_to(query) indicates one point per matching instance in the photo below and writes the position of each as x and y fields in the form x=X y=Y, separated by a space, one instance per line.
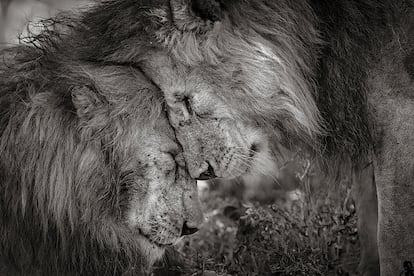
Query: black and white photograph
x=207 y=137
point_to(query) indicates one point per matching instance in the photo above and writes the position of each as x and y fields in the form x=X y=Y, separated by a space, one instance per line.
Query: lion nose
x=207 y=174
x=188 y=230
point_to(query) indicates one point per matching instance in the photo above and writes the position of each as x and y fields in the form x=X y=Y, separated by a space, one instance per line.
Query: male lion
x=337 y=77
x=92 y=181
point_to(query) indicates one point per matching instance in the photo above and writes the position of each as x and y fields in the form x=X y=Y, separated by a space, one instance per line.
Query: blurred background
x=288 y=223
x=15 y=15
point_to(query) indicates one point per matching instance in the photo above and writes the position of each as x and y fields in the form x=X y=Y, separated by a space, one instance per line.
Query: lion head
x=92 y=179
x=233 y=83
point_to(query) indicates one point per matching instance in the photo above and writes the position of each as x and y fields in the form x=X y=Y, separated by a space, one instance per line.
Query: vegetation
x=313 y=235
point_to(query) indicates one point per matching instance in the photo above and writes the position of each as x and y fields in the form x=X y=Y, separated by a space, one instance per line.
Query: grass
x=315 y=235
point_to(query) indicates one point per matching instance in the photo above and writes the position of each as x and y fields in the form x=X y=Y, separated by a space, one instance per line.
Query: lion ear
x=208 y=9
x=86 y=101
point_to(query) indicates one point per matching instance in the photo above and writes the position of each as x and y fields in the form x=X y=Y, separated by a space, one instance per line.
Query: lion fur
x=48 y=136
x=332 y=75
x=322 y=60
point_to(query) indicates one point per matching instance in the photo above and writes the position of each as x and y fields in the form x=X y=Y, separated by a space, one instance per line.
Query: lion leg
x=394 y=176
x=365 y=195
x=396 y=222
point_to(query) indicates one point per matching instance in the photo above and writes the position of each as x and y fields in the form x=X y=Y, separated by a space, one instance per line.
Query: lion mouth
x=153 y=240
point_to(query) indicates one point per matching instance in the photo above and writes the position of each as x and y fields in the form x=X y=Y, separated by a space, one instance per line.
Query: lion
x=241 y=77
x=238 y=79
x=92 y=180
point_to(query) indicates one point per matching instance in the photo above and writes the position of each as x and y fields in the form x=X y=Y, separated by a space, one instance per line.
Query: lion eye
x=205 y=114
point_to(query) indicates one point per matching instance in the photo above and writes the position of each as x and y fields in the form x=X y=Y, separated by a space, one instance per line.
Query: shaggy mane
x=54 y=153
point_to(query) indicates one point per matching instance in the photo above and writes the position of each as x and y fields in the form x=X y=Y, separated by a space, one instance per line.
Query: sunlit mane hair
x=267 y=42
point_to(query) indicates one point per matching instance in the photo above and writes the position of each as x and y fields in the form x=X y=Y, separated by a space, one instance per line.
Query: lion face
x=160 y=199
x=221 y=126
x=164 y=204
x=220 y=135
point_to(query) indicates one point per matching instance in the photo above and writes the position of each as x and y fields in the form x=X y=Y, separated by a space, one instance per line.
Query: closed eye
x=205 y=114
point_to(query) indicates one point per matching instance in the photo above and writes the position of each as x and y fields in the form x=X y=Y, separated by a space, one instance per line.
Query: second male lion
x=334 y=76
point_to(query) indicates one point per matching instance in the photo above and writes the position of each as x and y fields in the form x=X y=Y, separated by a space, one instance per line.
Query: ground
x=315 y=235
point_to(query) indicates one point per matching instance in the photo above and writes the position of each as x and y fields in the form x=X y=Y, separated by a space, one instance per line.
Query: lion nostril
x=187 y=230
x=207 y=174
x=254 y=148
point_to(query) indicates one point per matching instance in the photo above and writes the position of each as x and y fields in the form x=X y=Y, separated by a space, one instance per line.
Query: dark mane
x=362 y=27
x=43 y=140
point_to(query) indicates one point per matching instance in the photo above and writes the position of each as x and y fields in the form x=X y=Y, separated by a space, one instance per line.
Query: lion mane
x=46 y=166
